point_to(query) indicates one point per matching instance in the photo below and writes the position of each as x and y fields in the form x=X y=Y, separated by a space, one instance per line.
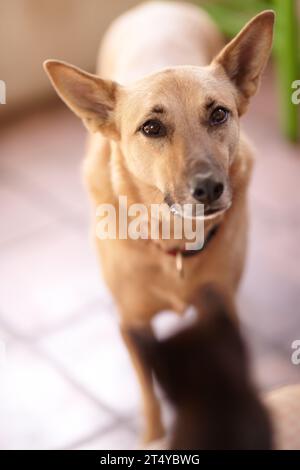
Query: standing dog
x=165 y=122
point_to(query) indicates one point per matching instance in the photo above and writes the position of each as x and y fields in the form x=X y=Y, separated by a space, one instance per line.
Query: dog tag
x=179 y=263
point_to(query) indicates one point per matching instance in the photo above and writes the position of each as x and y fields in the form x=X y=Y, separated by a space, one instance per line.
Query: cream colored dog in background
x=164 y=112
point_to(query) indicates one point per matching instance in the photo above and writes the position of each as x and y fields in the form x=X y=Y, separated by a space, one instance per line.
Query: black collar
x=187 y=253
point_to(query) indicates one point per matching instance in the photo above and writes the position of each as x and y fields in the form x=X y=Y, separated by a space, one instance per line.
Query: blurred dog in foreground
x=164 y=112
x=204 y=373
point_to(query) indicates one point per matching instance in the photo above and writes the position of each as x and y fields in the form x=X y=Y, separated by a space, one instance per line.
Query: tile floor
x=66 y=380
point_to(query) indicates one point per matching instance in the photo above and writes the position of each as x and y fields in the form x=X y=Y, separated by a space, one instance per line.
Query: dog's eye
x=218 y=116
x=153 y=128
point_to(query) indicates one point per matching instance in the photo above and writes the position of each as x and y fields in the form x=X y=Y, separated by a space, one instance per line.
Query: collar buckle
x=179 y=263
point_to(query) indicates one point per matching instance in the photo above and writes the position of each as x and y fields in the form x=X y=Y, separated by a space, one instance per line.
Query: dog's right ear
x=245 y=57
x=88 y=96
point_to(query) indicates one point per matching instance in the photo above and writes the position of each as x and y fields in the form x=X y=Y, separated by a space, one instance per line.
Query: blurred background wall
x=32 y=31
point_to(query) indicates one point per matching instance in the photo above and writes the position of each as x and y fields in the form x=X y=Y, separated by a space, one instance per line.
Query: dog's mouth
x=214 y=212
x=206 y=215
x=196 y=211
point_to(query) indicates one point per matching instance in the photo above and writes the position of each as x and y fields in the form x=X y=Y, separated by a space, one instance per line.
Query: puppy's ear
x=245 y=57
x=88 y=96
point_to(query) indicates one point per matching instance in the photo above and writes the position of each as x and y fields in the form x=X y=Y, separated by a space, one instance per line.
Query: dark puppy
x=204 y=373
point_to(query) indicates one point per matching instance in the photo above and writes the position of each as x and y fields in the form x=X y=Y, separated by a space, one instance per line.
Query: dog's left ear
x=88 y=96
x=245 y=57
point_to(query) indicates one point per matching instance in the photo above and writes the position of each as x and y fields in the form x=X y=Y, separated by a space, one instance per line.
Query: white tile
x=20 y=215
x=38 y=407
x=93 y=352
x=45 y=279
x=120 y=438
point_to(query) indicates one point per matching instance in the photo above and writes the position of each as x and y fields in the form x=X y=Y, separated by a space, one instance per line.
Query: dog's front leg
x=154 y=428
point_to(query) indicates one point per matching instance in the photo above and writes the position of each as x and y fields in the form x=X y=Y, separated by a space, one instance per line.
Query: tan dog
x=167 y=131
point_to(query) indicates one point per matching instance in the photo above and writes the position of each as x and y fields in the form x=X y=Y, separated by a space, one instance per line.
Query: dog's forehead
x=175 y=87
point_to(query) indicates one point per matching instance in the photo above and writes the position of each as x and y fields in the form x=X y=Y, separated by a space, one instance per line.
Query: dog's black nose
x=206 y=190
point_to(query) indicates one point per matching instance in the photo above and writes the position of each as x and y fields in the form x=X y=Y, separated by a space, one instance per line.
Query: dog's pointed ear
x=88 y=96
x=245 y=57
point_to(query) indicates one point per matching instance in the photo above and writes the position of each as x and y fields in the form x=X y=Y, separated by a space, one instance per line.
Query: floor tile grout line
x=77 y=316
x=97 y=434
x=11 y=331
x=4 y=244
x=59 y=367
x=33 y=191
x=30 y=340
x=89 y=437
x=80 y=314
x=63 y=372
x=37 y=194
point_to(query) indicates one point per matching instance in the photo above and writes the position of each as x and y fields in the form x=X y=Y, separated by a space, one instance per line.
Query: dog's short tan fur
x=159 y=53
